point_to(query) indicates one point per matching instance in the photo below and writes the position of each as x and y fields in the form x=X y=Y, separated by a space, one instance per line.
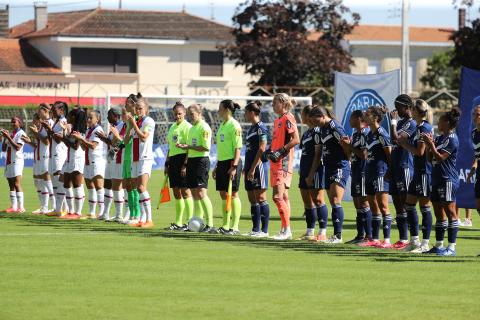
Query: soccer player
x=42 y=155
x=402 y=163
x=176 y=157
x=113 y=172
x=376 y=187
x=142 y=131
x=256 y=171
x=419 y=188
x=12 y=144
x=129 y=182
x=443 y=150
x=229 y=165
x=58 y=154
x=475 y=170
x=75 y=162
x=335 y=152
x=358 y=151
x=311 y=182
x=197 y=164
x=94 y=163
x=281 y=155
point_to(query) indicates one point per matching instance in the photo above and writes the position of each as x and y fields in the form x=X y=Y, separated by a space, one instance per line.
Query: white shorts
x=40 y=166
x=56 y=163
x=95 y=168
x=141 y=167
x=114 y=171
x=14 y=169
x=76 y=165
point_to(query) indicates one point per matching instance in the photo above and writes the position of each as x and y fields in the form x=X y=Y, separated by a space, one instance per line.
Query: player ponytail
x=404 y=101
x=285 y=99
x=452 y=117
x=230 y=105
x=178 y=104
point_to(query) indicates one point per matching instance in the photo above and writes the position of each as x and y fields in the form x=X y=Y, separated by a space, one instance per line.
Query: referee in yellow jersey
x=229 y=166
x=197 y=164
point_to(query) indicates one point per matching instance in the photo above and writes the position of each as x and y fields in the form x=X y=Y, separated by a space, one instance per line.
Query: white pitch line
x=49 y=234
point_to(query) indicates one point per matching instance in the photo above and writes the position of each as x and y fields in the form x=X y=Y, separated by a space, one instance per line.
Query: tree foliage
x=287 y=42
x=467 y=46
x=440 y=73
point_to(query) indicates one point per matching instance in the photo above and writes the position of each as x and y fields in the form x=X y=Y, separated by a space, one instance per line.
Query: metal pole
x=405 y=48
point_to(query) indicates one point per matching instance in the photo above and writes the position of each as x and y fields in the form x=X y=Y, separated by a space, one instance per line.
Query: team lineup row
x=410 y=164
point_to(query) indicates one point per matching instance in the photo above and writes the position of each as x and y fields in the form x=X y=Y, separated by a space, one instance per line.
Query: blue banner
x=469 y=97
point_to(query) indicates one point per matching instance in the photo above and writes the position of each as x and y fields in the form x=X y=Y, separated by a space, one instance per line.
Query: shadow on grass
x=344 y=250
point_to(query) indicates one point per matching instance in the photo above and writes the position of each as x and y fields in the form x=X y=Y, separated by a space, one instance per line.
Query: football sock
x=440 y=227
x=322 y=216
x=92 y=201
x=412 y=219
x=188 y=208
x=367 y=223
x=452 y=231
x=118 y=200
x=359 y=223
x=426 y=222
x=179 y=209
x=337 y=219
x=376 y=222
x=69 y=198
x=13 y=200
x=20 y=200
x=147 y=205
x=79 y=195
x=256 y=216
x=265 y=215
x=310 y=217
x=387 y=226
x=101 y=201
x=198 y=208
x=236 y=212
x=51 y=195
x=282 y=210
x=108 y=203
x=402 y=225
x=208 y=209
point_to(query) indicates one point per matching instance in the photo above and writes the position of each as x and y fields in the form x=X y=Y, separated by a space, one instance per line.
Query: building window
x=374 y=66
x=211 y=64
x=104 y=60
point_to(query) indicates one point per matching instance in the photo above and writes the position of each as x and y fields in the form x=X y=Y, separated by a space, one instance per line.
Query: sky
x=438 y=13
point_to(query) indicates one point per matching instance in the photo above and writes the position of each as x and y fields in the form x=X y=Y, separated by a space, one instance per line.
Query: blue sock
x=359 y=222
x=265 y=215
x=376 y=222
x=412 y=217
x=402 y=225
x=337 y=219
x=452 y=231
x=367 y=223
x=440 y=228
x=310 y=217
x=322 y=216
x=426 y=222
x=256 y=216
x=387 y=226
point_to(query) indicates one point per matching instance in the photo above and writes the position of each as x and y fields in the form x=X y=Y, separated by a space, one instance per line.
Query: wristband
x=393 y=122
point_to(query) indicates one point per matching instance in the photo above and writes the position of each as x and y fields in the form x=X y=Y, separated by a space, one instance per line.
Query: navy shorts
x=420 y=186
x=260 y=180
x=318 y=179
x=336 y=175
x=445 y=191
x=357 y=188
x=376 y=185
x=174 y=171
x=400 y=180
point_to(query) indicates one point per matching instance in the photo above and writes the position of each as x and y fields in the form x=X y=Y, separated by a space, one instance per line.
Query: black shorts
x=175 y=164
x=222 y=178
x=197 y=172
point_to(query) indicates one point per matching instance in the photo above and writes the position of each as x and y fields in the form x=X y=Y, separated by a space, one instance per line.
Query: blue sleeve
x=449 y=146
x=262 y=134
x=409 y=128
x=338 y=132
x=385 y=139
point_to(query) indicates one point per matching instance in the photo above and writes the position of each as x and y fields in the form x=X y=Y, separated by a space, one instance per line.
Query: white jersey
x=58 y=149
x=75 y=155
x=143 y=150
x=15 y=155
x=97 y=154
x=43 y=150
x=121 y=128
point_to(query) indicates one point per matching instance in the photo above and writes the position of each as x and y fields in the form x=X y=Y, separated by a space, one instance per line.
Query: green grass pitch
x=54 y=269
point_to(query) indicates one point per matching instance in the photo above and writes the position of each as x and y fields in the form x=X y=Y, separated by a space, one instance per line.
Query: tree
x=440 y=73
x=286 y=42
x=467 y=46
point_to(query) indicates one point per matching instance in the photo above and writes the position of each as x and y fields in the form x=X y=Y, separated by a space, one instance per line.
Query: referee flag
x=164 y=193
x=228 y=203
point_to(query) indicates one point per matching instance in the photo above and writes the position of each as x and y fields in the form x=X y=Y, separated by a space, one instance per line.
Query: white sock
x=38 y=186
x=386 y=240
x=415 y=239
x=108 y=202
x=439 y=244
x=310 y=231
x=79 y=195
x=118 y=199
x=147 y=203
x=51 y=195
x=92 y=201
x=425 y=242
x=44 y=195
x=101 y=200
x=287 y=230
x=451 y=246
x=323 y=232
x=69 y=199
x=125 y=204
x=59 y=197
x=20 y=200
x=13 y=200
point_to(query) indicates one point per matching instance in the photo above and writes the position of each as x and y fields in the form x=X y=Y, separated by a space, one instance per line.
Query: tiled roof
x=126 y=23
x=394 y=33
x=20 y=57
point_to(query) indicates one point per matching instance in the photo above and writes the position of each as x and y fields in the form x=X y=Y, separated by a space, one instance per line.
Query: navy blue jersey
x=401 y=158
x=445 y=170
x=476 y=148
x=256 y=134
x=310 y=139
x=332 y=151
x=359 y=141
x=420 y=163
x=377 y=162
